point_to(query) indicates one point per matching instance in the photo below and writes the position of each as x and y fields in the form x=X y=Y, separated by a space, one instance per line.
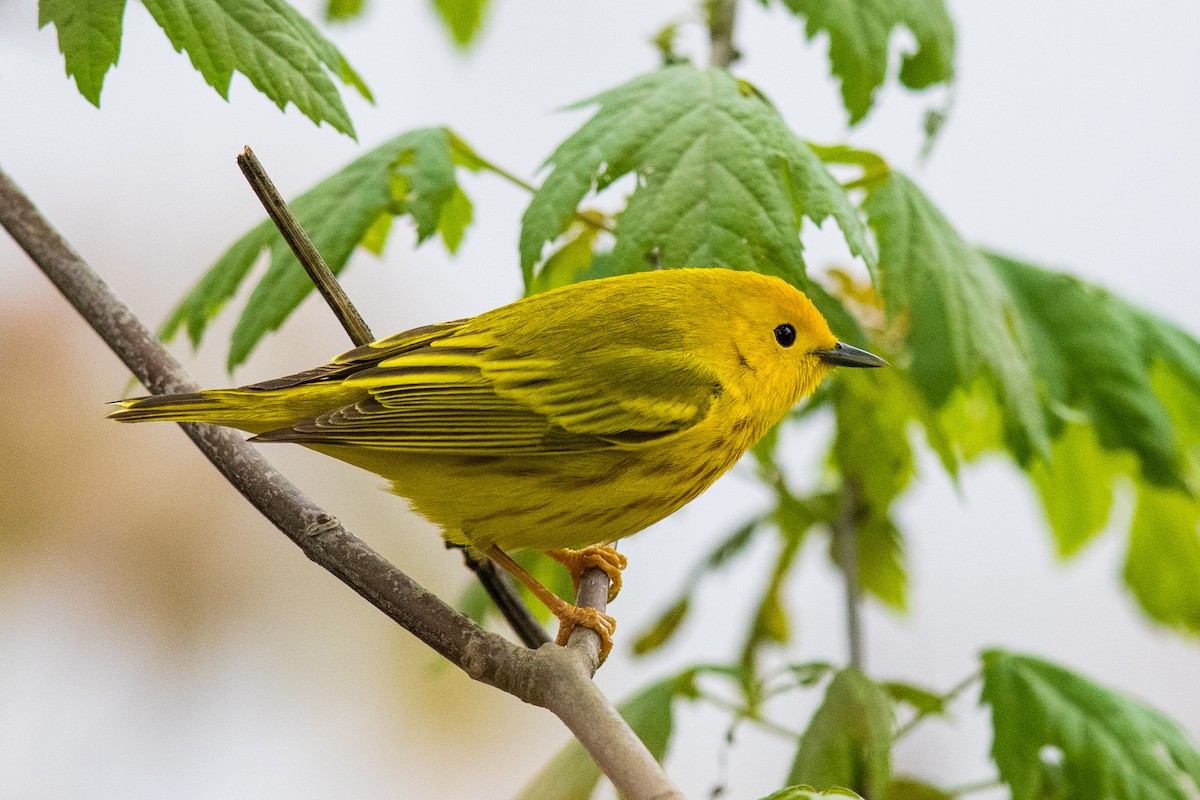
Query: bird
x=562 y=422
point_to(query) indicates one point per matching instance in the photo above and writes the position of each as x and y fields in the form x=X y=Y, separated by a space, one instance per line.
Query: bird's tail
x=248 y=410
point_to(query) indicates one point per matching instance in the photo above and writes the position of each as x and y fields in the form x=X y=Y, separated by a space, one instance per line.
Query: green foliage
x=808 y=793
x=924 y=701
x=269 y=42
x=963 y=324
x=1093 y=353
x=1106 y=744
x=722 y=182
x=412 y=174
x=572 y=775
x=1163 y=559
x=849 y=740
x=872 y=453
x=859 y=33
x=908 y=789
x=1122 y=387
x=463 y=19
x=89 y=37
x=342 y=10
x=576 y=259
x=1076 y=486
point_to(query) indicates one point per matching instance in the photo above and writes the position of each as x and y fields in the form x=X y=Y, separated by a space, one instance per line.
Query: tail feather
x=255 y=412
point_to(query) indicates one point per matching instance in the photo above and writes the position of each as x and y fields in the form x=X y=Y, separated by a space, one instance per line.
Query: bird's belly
x=543 y=502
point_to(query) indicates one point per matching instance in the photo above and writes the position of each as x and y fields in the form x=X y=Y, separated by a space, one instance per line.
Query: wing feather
x=452 y=389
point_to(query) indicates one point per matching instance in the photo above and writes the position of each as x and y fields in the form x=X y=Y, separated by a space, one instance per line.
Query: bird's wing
x=626 y=394
x=364 y=357
x=465 y=394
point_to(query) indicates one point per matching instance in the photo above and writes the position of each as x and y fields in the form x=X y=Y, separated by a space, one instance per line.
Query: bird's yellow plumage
x=571 y=418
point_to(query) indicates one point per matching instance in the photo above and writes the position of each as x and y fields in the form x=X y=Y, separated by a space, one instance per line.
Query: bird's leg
x=568 y=615
x=601 y=556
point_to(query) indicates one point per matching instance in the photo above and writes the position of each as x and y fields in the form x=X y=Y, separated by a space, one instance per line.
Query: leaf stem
x=741 y=712
x=845 y=543
x=519 y=618
x=947 y=698
x=479 y=161
x=722 y=14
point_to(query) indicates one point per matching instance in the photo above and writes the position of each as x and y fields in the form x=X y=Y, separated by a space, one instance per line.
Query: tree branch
x=556 y=678
x=514 y=611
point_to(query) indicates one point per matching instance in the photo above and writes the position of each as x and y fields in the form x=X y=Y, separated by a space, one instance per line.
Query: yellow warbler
x=569 y=419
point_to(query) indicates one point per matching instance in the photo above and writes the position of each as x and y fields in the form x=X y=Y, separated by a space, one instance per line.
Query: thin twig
x=722 y=14
x=519 y=618
x=556 y=678
x=947 y=698
x=845 y=543
x=742 y=713
x=302 y=246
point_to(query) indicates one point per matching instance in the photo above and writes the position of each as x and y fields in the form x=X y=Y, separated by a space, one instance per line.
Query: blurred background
x=158 y=638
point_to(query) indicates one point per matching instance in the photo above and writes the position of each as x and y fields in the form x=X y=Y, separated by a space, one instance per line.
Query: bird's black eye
x=785 y=334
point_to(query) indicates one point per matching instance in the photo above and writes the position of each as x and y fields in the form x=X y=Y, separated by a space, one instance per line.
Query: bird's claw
x=603 y=624
x=601 y=556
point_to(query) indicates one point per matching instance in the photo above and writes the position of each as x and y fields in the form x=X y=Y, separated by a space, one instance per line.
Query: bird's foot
x=601 y=556
x=570 y=616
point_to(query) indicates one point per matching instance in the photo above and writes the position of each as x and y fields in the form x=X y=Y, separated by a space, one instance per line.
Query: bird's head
x=781 y=343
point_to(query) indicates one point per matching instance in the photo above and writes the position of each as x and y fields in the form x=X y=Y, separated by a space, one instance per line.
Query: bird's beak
x=844 y=355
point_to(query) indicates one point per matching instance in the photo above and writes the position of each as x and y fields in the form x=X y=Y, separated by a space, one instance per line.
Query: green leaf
x=771 y=623
x=89 y=37
x=663 y=629
x=463 y=19
x=269 y=42
x=964 y=325
x=721 y=181
x=457 y=214
x=1076 y=486
x=859 y=33
x=810 y=673
x=808 y=793
x=848 y=742
x=973 y=422
x=922 y=700
x=1111 y=746
x=343 y=10
x=572 y=775
x=569 y=263
x=1162 y=566
x=732 y=545
x=912 y=789
x=375 y=239
x=872 y=453
x=882 y=571
x=1093 y=353
x=340 y=213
